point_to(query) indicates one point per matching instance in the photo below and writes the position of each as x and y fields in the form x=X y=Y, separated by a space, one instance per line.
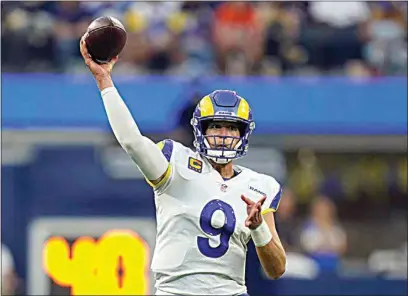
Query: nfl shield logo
x=224 y=188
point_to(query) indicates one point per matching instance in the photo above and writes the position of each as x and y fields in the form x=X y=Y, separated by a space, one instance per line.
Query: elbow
x=279 y=273
x=276 y=271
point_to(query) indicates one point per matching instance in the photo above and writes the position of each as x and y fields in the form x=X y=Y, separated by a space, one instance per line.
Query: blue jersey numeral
x=225 y=232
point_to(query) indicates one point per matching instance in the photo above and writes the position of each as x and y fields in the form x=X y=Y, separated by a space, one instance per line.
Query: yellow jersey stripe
x=266 y=211
x=165 y=178
x=160 y=145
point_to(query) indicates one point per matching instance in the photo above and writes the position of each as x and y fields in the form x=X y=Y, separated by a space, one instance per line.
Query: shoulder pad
x=167 y=147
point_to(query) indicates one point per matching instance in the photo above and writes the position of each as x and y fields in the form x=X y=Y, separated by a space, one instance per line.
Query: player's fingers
x=82 y=44
x=84 y=52
x=262 y=200
x=83 y=48
x=87 y=58
x=252 y=217
x=247 y=200
x=253 y=212
x=248 y=223
x=112 y=62
x=259 y=205
x=258 y=215
x=249 y=220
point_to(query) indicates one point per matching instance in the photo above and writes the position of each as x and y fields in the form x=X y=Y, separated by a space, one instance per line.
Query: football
x=106 y=39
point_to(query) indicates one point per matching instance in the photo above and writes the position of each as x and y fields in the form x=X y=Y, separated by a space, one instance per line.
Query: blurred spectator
x=27 y=36
x=71 y=22
x=336 y=33
x=238 y=37
x=8 y=275
x=282 y=50
x=112 y=8
x=306 y=177
x=386 y=50
x=287 y=222
x=322 y=237
x=162 y=42
x=197 y=38
x=340 y=14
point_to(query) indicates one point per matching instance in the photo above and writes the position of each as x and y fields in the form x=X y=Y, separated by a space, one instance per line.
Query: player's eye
x=215 y=126
x=232 y=128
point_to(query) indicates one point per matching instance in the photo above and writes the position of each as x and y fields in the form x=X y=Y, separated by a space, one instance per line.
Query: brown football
x=106 y=39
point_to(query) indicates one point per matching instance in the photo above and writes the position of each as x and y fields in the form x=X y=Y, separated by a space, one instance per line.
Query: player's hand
x=254 y=210
x=99 y=71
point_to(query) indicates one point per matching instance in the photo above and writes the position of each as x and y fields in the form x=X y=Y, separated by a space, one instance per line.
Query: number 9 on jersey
x=225 y=232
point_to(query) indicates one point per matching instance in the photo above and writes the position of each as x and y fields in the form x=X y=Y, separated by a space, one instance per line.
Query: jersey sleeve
x=167 y=147
x=273 y=199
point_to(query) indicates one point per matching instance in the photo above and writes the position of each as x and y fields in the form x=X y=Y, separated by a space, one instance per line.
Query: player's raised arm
x=146 y=154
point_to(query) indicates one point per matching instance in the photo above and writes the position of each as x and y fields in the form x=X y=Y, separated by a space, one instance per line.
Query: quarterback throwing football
x=207 y=209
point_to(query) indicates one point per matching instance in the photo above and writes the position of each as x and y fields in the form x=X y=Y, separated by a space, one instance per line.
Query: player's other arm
x=265 y=237
x=270 y=250
x=146 y=154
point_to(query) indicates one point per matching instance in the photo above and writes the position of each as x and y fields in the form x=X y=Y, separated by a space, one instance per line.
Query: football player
x=207 y=209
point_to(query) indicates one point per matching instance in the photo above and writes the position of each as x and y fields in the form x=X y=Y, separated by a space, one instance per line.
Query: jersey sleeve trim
x=266 y=211
x=166 y=147
x=273 y=207
x=164 y=180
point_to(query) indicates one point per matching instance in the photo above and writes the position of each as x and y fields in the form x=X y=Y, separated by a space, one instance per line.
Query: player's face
x=220 y=129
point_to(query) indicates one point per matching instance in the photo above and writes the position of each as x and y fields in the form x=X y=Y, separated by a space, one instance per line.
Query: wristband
x=261 y=235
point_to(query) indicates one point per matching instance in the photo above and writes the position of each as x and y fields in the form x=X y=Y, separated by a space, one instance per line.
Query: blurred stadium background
x=327 y=82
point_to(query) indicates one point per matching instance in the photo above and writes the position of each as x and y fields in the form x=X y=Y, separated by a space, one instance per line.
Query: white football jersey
x=201 y=234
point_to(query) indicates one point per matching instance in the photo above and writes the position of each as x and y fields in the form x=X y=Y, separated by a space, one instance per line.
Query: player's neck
x=225 y=170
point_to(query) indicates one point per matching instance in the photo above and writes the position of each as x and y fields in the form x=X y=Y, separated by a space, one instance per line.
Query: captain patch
x=195 y=165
